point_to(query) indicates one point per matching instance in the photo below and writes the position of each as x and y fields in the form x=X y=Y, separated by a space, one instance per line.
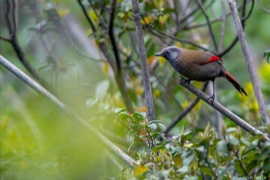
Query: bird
x=199 y=65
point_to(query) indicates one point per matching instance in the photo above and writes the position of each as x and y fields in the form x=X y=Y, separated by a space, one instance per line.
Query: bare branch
x=119 y=79
x=112 y=38
x=250 y=63
x=226 y=112
x=87 y=17
x=223 y=25
x=144 y=65
x=244 y=18
x=4 y=39
x=164 y=35
x=71 y=113
x=264 y=9
x=15 y=19
x=209 y=25
x=9 y=26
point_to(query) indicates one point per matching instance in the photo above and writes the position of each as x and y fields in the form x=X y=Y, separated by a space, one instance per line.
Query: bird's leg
x=186 y=81
x=211 y=99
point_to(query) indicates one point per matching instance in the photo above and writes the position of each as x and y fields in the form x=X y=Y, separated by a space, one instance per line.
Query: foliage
x=197 y=154
x=37 y=140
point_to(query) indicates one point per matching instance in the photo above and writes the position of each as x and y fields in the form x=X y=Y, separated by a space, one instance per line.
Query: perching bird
x=199 y=66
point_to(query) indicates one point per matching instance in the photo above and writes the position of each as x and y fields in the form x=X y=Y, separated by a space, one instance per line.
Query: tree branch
x=112 y=38
x=120 y=81
x=179 y=117
x=144 y=65
x=209 y=25
x=249 y=61
x=112 y=147
x=12 y=29
x=243 y=20
x=226 y=112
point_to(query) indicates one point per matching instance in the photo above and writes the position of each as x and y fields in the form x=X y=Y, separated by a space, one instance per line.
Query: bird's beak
x=158 y=54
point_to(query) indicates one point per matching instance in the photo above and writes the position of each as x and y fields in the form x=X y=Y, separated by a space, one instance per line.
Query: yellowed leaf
x=163 y=19
x=62 y=12
x=185 y=104
x=177 y=161
x=150 y=59
x=93 y=15
x=139 y=170
x=178 y=44
x=141 y=109
x=146 y=20
x=139 y=91
x=105 y=68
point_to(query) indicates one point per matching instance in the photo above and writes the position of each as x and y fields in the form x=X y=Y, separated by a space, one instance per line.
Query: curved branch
x=223 y=110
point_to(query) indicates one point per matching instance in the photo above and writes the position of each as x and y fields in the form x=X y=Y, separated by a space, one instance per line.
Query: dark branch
x=87 y=17
x=112 y=38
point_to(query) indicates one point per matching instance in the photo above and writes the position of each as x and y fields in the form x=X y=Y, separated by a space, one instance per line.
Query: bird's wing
x=209 y=58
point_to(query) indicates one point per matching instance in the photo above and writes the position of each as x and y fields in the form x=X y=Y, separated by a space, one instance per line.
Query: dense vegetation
x=86 y=53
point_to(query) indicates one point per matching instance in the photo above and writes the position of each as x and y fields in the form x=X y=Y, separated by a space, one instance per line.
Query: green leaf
x=184 y=169
x=102 y=89
x=138 y=116
x=266 y=164
x=251 y=165
x=91 y=102
x=222 y=148
x=238 y=168
x=266 y=54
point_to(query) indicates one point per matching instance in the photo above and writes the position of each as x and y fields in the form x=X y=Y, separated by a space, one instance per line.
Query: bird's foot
x=186 y=81
x=211 y=99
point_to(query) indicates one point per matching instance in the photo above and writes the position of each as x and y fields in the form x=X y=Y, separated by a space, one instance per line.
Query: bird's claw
x=211 y=99
x=186 y=81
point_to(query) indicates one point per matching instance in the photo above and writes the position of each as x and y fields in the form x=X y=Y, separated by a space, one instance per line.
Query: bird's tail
x=237 y=86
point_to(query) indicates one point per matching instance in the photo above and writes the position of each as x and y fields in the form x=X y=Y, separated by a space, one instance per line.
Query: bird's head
x=171 y=53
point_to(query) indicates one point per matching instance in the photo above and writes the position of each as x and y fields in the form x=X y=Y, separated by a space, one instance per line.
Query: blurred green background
x=39 y=142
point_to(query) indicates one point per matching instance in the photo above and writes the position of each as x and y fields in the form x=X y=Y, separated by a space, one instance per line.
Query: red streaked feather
x=212 y=59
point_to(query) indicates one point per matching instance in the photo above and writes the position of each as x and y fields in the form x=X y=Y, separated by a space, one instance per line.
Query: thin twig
x=249 y=62
x=243 y=20
x=87 y=17
x=226 y=112
x=209 y=25
x=70 y=112
x=180 y=116
x=14 y=17
x=144 y=65
x=223 y=25
x=120 y=81
x=162 y=34
x=9 y=26
x=264 y=9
